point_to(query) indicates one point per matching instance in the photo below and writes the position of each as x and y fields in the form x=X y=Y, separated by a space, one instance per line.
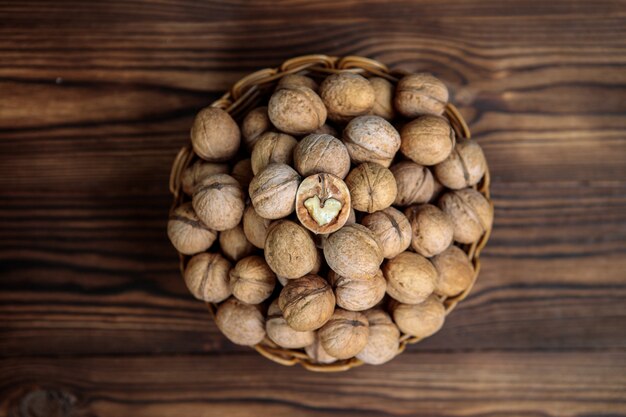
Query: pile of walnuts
x=327 y=220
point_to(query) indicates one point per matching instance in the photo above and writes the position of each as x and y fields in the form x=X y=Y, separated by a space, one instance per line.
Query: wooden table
x=96 y=98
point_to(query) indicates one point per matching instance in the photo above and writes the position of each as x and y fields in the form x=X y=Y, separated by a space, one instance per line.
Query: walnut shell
x=297 y=80
x=307 y=303
x=296 y=110
x=219 y=201
x=432 y=228
x=384 y=338
x=317 y=353
x=273 y=191
x=419 y=320
x=427 y=140
x=243 y=324
x=471 y=214
x=415 y=183
x=383 y=93
x=198 y=170
x=251 y=280
x=392 y=229
x=371 y=139
x=323 y=203
x=242 y=172
x=234 y=244
x=272 y=148
x=465 y=166
x=289 y=249
x=254 y=125
x=215 y=135
x=455 y=271
x=372 y=187
x=255 y=227
x=418 y=94
x=187 y=233
x=206 y=276
x=347 y=95
x=345 y=334
x=411 y=278
x=358 y=294
x=353 y=251
x=320 y=153
x=326 y=129
x=282 y=334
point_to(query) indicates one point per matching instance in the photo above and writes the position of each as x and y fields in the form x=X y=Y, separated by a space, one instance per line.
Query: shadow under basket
x=247 y=94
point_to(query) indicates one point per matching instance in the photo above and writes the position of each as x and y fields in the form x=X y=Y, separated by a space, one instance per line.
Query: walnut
x=297 y=80
x=384 y=338
x=273 y=191
x=465 y=166
x=251 y=280
x=320 y=153
x=372 y=187
x=347 y=95
x=432 y=229
x=323 y=203
x=219 y=201
x=200 y=169
x=471 y=214
x=392 y=229
x=289 y=249
x=415 y=183
x=255 y=227
x=455 y=271
x=427 y=140
x=326 y=129
x=272 y=148
x=215 y=135
x=418 y=94
x=358 y=294
x=411 y=278
x=243 y=324
x=419 y=320
x=371 y=139
x=187 y=233
x=383 y=103
x=307 y=303
x=254 y=125
x=345 y=334
x=234 y=244
x=296 y=110
x=317 y=353
x=206 y=276
x=242 y=172
x=353 y=251
x=282 y=334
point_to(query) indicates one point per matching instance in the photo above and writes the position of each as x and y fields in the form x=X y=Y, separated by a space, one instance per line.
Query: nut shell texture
x=251 y=280
x=465 y=166
x=272 y=148
x=347 y=95
x=187 y=233
x=273 y=191
x=234 y=244
x=345 y=334
x=455 y=271
x=206 y=277
x=371 y=139
x=289 y=250
x=427 y=140
x=353 y=251
x=470 y=211
x=321 y=153
x=384 y=338
x=418 y=94
x=215 y=135
x=392 y=229
x=219 y=201
x=254 y=124
x=255 y=227
x=243 y=324
x=323 y=203
x=415 y=183
x=383 y=93
x=280 y=333
x=358 y=294
x=432 y=229
x=317 y=353
x=419 y=320
x=411 y=278
x=296 y=110
x=200 y=169
x=307 y=303
x=372 y=187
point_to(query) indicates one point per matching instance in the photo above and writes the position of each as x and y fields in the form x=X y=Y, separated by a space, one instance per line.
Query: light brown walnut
x=234 y=243
x=321 y=153
x=272 y=148
x=296 y=110
x=411 y=278
x=465 y=166
x=371 y=139
x=419 y=320
x=215 y=135
x=353 y=251
x=198 y=170
x=282 y=334
x=427 y=140
x=415 y=183
x=418 y=94
x=206 y=277
x=392 y=229
x=470 y=212
x=307 y=303
x=372 y=187
x=455 y=271
x=243 y=324
x=251 y=280
x=255 y=227
x=273 y=191
x=383 y=341
x=432 y=229
x=254 y=125
x=358 y=294
x=289 y=249
x=345 y=334
x=384 y=92
x=347 y=95
x=219 y=201
x=187 y=232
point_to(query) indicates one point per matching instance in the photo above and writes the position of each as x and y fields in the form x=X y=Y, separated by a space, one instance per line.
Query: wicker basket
x=246 y=94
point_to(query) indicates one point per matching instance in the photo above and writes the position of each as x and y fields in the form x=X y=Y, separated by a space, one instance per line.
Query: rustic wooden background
x=96 y=98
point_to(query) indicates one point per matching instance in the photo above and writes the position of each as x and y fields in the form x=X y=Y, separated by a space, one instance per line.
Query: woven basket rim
x=243 y=96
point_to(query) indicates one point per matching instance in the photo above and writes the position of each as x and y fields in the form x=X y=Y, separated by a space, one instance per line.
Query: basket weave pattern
x=245 y=95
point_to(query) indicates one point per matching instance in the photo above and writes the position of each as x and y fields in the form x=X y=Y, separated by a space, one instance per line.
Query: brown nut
x=200 y=169
x=358 y=294
x=254 y=125
x=464 y=167
x=418 y=94
x=215 y=135
x=371 y=139
x=255 y=227
x=392 y=229
x=471 y=214
x=282 y=334
x=384 y=338
x=347 y=95
x=323 y=203
x=326 y=129
x=187 y=233
x=383 y=93
x=297 y=80
x=455 y=271
x=242 y=172
x=419 y=320
x=372 y=187
x=289 y=250
x=206 y=276
x=320 y=153
x=243 y=324
x=317 y=353
x=307 y=303
x=234 y=244
x=432 y=229
x=219 y=201
x=427 y=140
x=345 y=334
x=251 y=280
x=353 y=251
x=411 y=278
x=415 y=183
x=273 y=191
x=296 y=110
x=272 y=148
